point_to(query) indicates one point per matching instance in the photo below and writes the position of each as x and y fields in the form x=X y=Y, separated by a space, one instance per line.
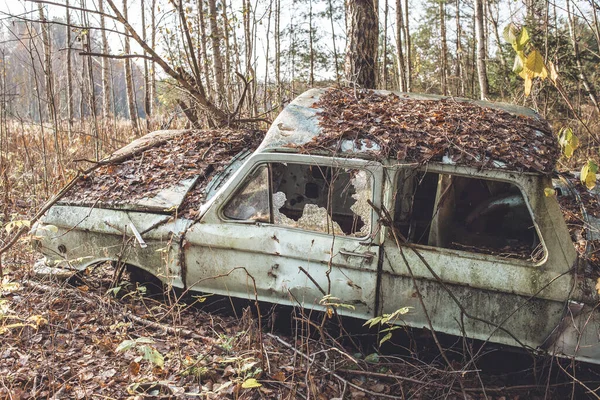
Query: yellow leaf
x=38 y=320
x=588 y=174
x=549 y=192
x=518 y=64
x=598 y=285
x=528 y=84
x=251 y=383
x=535 y=66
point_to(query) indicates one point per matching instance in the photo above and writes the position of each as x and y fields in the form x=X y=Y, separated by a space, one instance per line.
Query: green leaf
x=125 y=345
x=372 y=358
x=152 y=355
x=588 y=174
x=372 y=322
x=251 y=383
x=387 y=337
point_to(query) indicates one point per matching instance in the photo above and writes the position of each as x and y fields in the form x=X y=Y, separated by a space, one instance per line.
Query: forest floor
x=85 y=338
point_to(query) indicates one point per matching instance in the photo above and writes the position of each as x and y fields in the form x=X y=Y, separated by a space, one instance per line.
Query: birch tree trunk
x=147 y=84
x=481 y=54
x=408 y=45
x=48 y=75
x=129 y=80
x=444 y=48
x=106 y=103
x=69 y=77
x=215 y=37
x=399 y=47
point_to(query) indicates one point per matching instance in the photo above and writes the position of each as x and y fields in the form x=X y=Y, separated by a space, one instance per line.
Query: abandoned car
x=381 y=200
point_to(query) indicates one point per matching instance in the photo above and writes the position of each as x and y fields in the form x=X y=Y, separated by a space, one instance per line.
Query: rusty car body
x=473 y=250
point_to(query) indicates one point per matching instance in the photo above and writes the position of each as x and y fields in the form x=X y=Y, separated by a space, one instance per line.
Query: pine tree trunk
x=361 y=50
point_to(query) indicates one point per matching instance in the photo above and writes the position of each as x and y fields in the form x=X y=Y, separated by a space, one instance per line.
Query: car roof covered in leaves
x=414 y=128
x=164 y=171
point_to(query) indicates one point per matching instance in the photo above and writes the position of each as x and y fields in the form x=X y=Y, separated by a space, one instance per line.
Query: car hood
x=165 y=171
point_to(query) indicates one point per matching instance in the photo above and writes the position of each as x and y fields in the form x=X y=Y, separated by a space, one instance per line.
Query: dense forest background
x=80 y=78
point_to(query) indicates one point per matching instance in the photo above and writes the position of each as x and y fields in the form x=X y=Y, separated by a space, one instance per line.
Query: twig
x=329 y=371
x=169 y=329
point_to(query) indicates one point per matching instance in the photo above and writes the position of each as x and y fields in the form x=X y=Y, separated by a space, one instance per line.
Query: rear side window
x=469 y=214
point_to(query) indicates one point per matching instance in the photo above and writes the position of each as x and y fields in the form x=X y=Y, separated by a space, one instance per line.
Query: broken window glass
x=322 y=199
x=470 y=214
x=316 y=198
x=251 y=202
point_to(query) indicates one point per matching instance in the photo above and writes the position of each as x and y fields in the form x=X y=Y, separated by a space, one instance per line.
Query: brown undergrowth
x=69 y=340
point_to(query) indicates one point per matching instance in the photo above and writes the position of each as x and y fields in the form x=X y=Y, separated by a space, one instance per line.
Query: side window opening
x=470 y=214
x=323 y=199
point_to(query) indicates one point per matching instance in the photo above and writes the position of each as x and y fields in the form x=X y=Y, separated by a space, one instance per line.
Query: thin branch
x=117 y=56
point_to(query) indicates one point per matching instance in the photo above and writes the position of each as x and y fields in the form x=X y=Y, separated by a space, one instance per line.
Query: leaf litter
x=91 y=346
x=414 y=130
x=192 y=153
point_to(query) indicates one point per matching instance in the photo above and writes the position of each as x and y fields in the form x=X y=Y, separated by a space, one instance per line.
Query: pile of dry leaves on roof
x=427 y=130
x=192 y=153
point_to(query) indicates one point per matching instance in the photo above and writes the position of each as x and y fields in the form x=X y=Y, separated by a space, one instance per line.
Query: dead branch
x=117 y=56
x=169 y=329
x=331 y=372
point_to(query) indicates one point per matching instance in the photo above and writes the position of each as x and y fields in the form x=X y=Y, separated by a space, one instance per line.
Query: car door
x=292 y=229
x=466 y=254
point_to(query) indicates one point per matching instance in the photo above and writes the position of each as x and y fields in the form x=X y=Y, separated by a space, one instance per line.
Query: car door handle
x=366 y=255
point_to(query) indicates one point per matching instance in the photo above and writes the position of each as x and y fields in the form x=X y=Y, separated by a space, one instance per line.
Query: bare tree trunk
x=385 y=43
x=502 y=58
x=481 y=55
x=335 y=53
x=129 y=80
x=51 y=106
x=69 y=78
x=228 y=56
x=399 y=47
x=248 y=49
x=278 y=52
x=361 y=50
x=203 y=59
x=311 y=78
x=591 y=92
x=444 y=48
x=266 y=87
x=106 y=103
x=152 y=64
x=87 y=65
x=408 y=53
x=147 y=84
x=460 y=87
x=215 y=37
